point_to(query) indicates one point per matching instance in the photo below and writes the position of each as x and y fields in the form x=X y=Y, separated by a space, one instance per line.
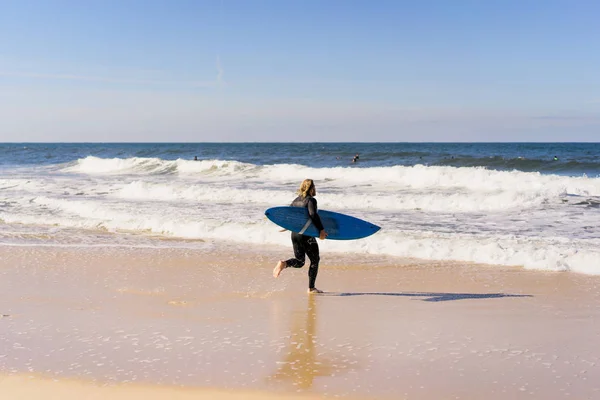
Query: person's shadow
x=430 y=296
x=301 y=365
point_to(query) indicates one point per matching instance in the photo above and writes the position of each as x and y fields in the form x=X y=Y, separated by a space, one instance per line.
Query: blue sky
x=224 y=70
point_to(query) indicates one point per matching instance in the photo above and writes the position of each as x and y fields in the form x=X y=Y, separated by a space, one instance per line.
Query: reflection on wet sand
x=302 y=362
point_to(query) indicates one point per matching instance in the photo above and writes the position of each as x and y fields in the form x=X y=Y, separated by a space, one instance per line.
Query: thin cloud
x=220 y=71
x=558 y=118
x=102 y=79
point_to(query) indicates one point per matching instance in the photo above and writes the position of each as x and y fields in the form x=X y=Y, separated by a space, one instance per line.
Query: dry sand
x=128 y=323
x=27 y=387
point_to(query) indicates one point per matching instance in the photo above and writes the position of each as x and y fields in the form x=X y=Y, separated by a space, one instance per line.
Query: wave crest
x=152 y=166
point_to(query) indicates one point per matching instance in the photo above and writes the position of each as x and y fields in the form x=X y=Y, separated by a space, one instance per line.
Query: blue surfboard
x=338 y=226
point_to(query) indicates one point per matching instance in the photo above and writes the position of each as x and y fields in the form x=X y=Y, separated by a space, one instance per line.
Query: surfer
x=305 y=245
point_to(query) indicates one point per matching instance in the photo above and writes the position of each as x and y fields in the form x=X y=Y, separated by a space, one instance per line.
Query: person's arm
x=314 y=216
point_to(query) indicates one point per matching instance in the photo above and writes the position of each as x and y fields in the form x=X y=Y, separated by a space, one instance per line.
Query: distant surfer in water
x=305 y=245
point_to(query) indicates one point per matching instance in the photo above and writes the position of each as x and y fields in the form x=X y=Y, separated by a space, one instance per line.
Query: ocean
x=535 y=205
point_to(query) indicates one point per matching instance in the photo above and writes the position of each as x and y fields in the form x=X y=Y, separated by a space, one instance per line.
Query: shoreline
x=385 y=328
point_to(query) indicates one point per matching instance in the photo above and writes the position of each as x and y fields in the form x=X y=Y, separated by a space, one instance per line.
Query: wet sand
x=185 y=322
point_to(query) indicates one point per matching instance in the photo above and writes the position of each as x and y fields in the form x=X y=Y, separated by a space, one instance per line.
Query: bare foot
x=278 y=268
x=314 y=290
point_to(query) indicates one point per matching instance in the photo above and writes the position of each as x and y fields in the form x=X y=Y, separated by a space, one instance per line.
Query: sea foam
x=470 y=214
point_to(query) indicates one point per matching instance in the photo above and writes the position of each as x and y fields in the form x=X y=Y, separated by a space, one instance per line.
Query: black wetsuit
x=306 y=245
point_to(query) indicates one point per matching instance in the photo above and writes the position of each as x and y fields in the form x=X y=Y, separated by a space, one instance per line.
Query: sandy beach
x=119 y=322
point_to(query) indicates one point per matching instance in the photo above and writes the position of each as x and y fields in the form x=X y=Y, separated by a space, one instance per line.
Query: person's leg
x=312 y=251
x=299 y=243
x=299 y=253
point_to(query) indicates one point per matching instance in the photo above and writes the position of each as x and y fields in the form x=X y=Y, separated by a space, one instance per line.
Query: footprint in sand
x=143 y=292
x=179 y=303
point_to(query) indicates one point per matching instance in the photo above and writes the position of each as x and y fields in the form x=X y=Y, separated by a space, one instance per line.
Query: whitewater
x=471 y=214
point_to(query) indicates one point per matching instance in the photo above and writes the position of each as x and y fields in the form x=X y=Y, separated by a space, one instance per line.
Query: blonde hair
x=305 y=187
